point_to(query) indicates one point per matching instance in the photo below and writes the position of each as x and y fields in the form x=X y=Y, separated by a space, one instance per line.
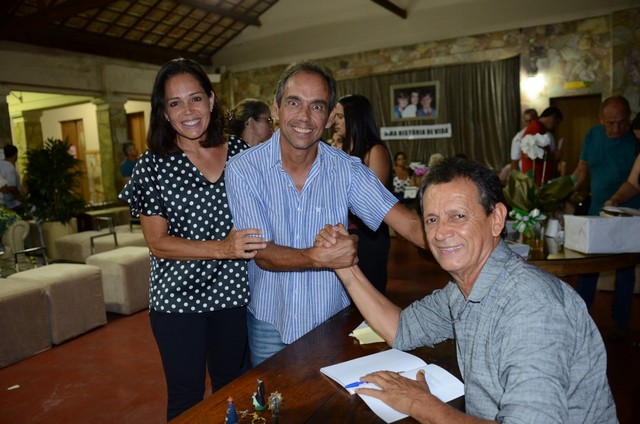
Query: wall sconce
x=533 y=85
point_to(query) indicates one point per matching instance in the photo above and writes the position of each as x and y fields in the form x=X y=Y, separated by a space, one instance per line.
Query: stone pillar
x=27 y=135
x=112 y=133
x=5 y=119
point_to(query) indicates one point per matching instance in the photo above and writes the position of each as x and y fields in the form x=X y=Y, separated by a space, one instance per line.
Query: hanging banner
x=416 y=132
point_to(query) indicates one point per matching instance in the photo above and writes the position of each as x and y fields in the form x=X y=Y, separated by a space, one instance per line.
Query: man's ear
x=499 y=216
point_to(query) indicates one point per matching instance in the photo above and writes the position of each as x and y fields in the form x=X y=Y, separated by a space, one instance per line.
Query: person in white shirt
x=516 y=153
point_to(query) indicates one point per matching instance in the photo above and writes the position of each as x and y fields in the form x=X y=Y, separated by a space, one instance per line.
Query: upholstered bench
x=75 y=302
x=24 y=322
x=77 y=247
x=125 y=278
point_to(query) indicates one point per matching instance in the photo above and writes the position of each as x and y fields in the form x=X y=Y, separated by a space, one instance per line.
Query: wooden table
x=308 y=395
x=569 y=262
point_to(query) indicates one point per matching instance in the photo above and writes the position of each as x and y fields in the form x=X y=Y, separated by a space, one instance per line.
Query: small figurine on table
x=275 y=403
x=232 y=415
x=258 y=397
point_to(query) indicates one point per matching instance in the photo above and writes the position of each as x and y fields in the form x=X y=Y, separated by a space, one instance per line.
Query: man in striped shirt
x=290 y=187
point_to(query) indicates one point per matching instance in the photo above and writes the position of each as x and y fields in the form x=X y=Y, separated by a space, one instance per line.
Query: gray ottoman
x=77 y=247
x=125 y=278
x=75 y=302
x=24 y=323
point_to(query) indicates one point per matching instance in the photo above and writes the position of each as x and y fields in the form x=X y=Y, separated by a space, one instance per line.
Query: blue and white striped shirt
x=262 y=195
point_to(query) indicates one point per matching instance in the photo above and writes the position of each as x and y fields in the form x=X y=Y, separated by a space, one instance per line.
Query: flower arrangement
x=525 y=221
x=522 y=193
x=418 y=168
x=533 y=145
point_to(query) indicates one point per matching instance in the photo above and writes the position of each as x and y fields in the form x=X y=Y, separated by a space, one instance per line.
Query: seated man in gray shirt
x=527 y=348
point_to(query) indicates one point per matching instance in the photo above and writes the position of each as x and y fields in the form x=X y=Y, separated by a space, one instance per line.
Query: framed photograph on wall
x=414 y=101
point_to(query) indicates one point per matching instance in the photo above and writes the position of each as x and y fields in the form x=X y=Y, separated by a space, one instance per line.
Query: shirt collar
x=491 y=271
x=275 y=155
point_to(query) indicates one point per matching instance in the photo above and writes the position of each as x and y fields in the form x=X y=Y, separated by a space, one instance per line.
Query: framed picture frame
x=414 y=101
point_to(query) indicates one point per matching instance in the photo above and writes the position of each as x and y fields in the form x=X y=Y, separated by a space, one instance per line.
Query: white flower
x=533 y=145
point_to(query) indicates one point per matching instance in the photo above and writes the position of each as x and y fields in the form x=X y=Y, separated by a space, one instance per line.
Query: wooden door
x=580 y=113
x=136 y=131
x=73 y=131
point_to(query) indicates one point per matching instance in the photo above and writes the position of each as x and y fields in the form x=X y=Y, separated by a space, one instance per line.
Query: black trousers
x=189 y=344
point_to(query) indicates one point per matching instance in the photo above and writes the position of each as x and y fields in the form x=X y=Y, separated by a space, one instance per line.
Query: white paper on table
x=442 y=384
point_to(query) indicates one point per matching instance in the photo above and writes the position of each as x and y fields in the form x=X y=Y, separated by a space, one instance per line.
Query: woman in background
x=355 y=122
x=251 y=122
x=402 y=176
x=198 y=284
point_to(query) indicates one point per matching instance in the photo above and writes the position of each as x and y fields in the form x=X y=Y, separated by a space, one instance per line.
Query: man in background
x=516 y=153
x=606 y=159
x=130 y=157
x=12 y=191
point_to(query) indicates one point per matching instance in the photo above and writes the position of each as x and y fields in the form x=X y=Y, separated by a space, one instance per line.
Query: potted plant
x=52 y=179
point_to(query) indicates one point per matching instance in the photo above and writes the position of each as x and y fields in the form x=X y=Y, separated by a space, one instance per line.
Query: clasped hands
x=335 y=247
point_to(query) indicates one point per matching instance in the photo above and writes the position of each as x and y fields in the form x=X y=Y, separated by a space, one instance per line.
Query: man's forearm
x=342 y=254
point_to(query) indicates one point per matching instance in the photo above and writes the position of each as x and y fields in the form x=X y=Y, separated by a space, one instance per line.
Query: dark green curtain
x=481 y=101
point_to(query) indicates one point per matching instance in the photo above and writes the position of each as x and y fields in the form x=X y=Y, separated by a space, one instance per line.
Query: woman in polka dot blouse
x=198 y=288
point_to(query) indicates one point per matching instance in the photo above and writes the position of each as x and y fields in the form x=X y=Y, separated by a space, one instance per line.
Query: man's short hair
x=485 y=179
x=532 y=112
x=10 y=151
x=552 y=111
x=126 y=146
x=616 y=99
x=311 y=67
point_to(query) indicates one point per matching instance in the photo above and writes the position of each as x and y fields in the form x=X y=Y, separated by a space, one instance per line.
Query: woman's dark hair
x=162 y=136
x=486 y=180
x=361 y=130
x=395 y=157
x=245 y=109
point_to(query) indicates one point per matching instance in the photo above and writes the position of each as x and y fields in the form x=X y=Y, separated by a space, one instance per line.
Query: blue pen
x=354 y=385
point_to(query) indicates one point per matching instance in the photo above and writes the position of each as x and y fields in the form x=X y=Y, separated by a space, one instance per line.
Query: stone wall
x=575 y=58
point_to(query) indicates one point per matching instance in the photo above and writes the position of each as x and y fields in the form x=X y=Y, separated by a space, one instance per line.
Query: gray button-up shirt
x=527 y=348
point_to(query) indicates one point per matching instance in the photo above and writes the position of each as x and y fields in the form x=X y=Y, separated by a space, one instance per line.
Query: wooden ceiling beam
x=392 y=7
x=57 y=37
x=224 y=12
x=17 y=25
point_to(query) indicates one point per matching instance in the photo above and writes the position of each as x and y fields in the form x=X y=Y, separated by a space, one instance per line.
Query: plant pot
x=53 y=230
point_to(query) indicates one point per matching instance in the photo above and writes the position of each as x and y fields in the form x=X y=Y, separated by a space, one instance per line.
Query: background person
x=527 y=348
x=130 y=158
x=199 y=289
x=12 y=190
x=356 y=123
x=251 y=121
x=516 y=149
x=402 y=176
x=606 y=160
